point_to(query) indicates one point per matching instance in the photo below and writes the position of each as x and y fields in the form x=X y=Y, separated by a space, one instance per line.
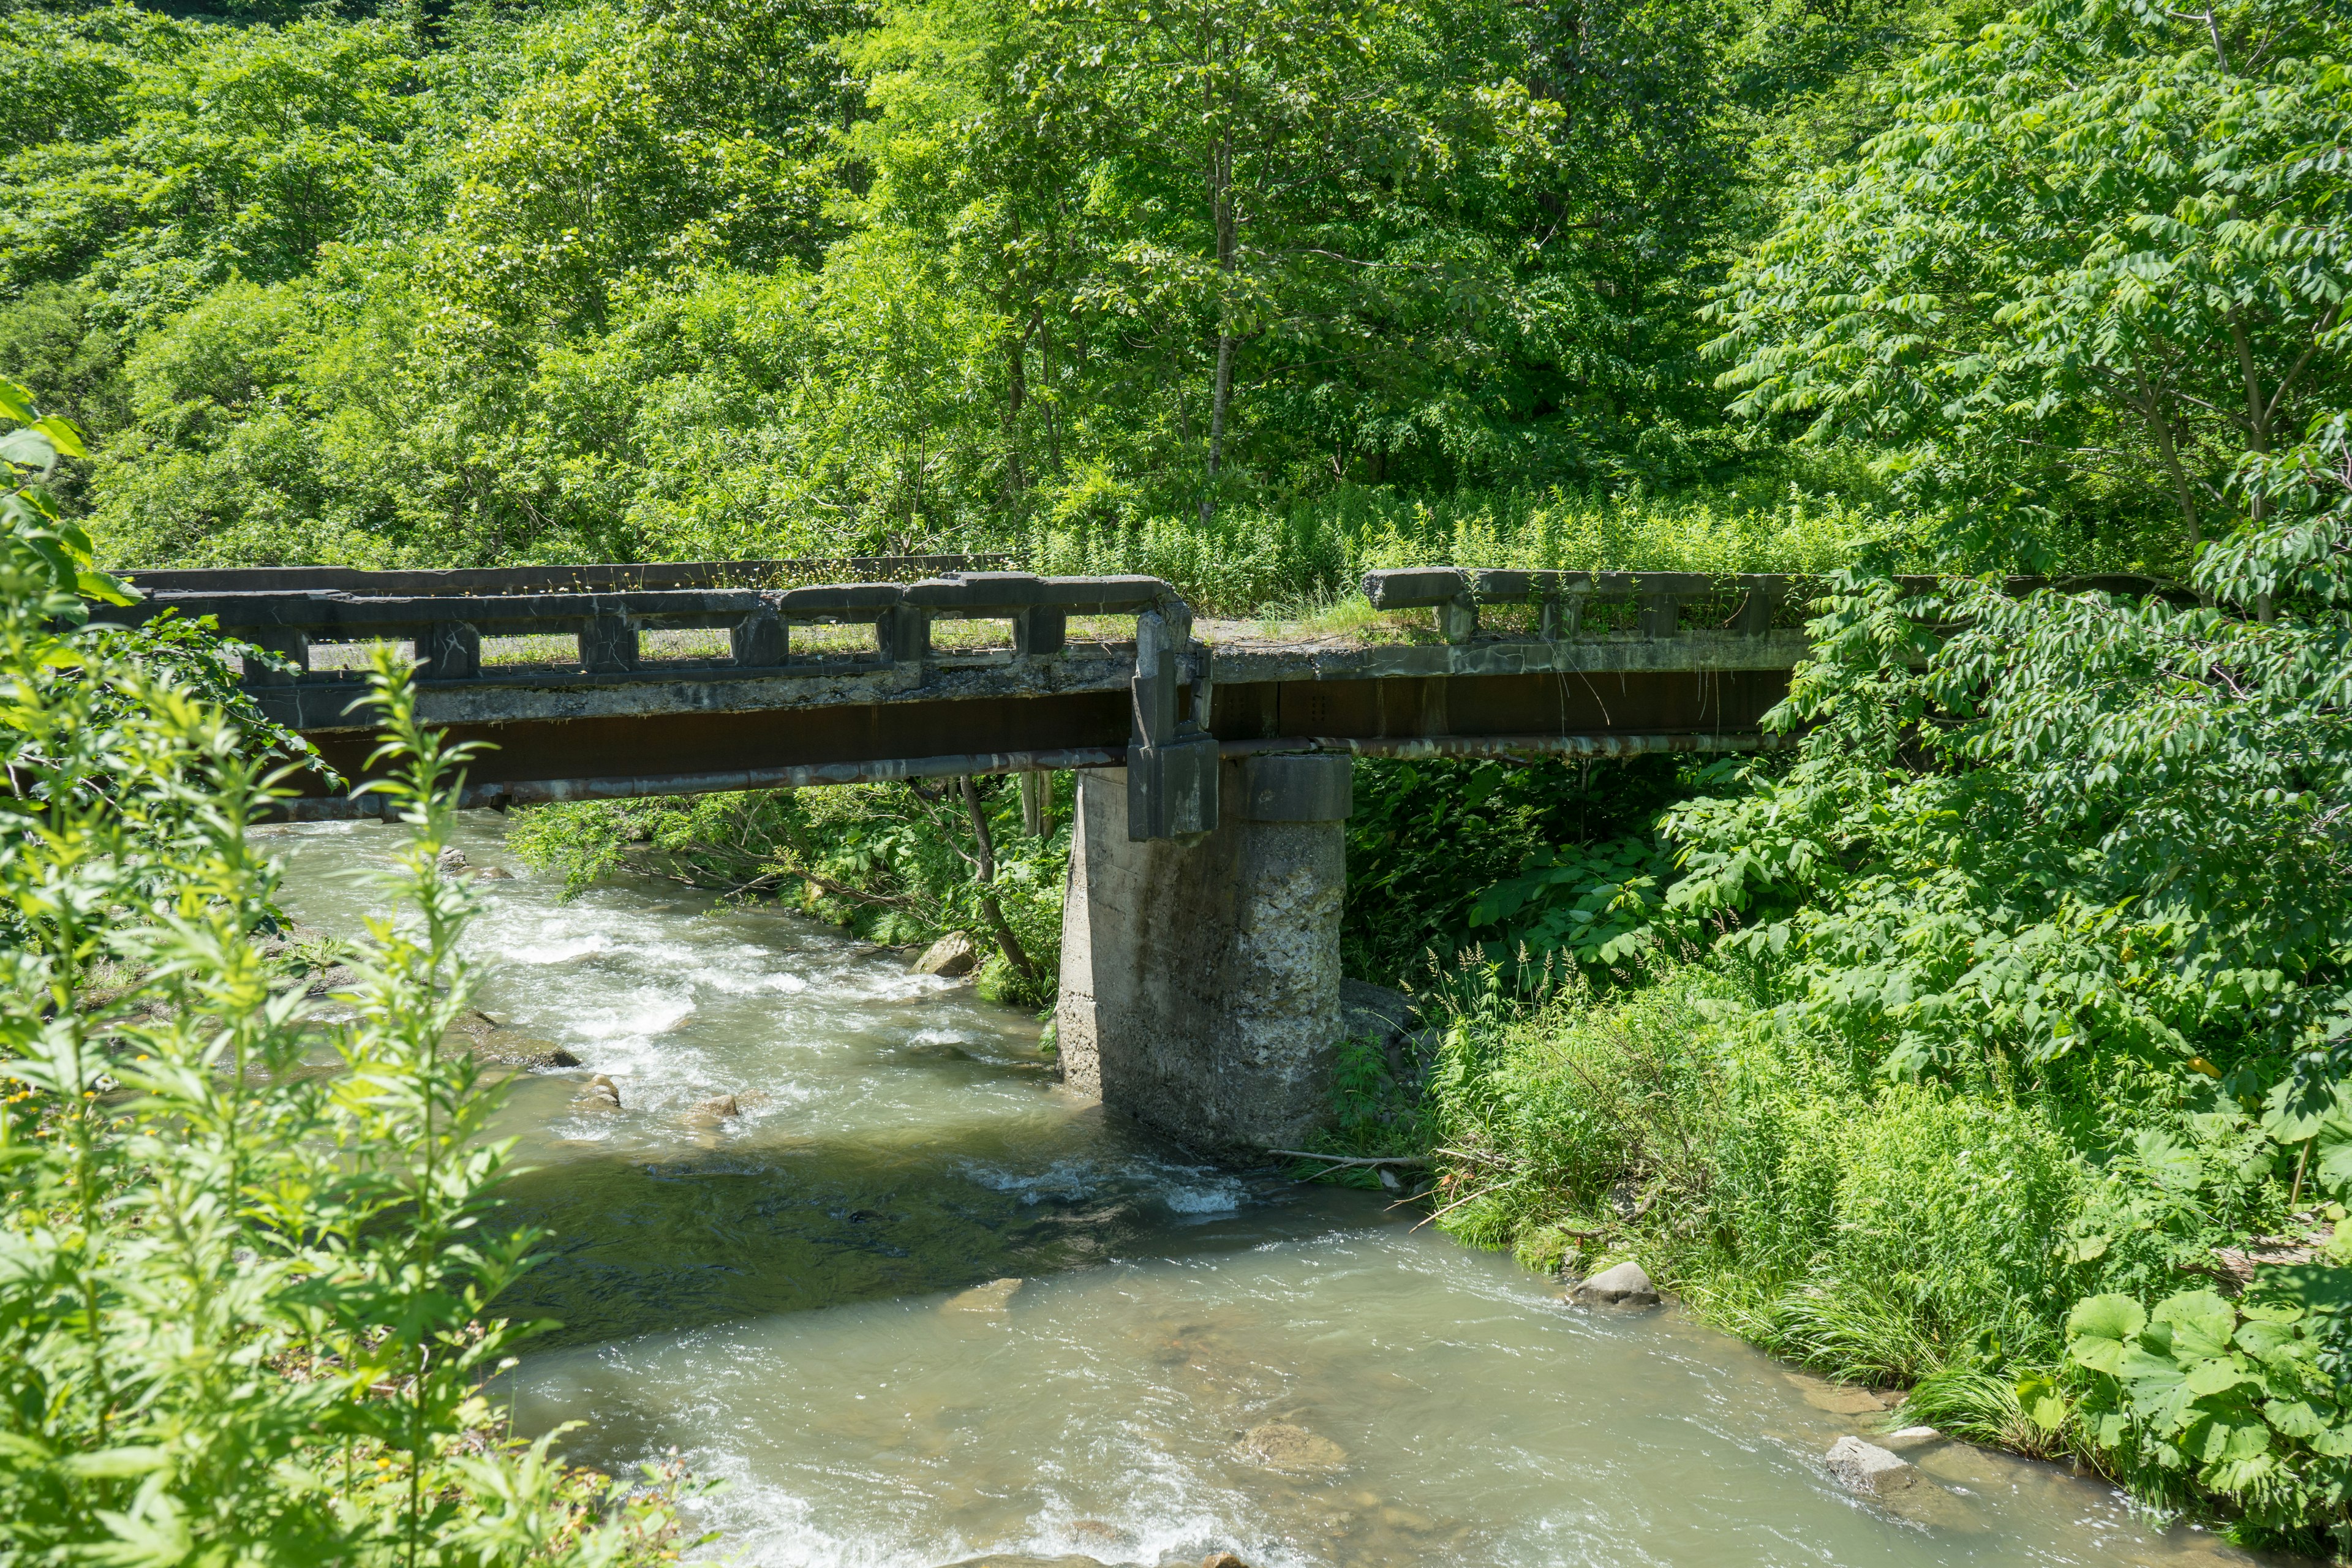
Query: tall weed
x=249 y=1253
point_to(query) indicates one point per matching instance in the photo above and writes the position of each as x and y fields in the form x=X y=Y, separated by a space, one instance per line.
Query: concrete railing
x=1171 y=757
x=1574 y=603
x=447 y=627
x=1656 y=604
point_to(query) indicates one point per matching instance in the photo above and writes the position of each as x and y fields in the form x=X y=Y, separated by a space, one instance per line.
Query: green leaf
x=62 y=434
x=2202 y=1324
x=2218 y=1376
x=16 y=402
x=2317 y=1288
x=29 y=448
x=2098 y=1328
x=114 y=1464
x=105 y=588
x=2297 y=1419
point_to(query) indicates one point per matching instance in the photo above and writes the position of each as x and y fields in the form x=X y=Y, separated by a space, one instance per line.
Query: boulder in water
x=718 y=1108
x=951 y=956
x=1222 y=1560
x=1626 y=1284
x=452 y=860
x=335 y=977
x=524 y=1051
x=495 y=874
x=601 y=1094
x=1869 y=1470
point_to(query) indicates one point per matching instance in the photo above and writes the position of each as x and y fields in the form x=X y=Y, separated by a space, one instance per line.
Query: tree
x=2104 y=240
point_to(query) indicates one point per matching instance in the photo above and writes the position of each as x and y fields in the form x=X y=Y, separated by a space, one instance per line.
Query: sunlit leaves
x=2088 y=240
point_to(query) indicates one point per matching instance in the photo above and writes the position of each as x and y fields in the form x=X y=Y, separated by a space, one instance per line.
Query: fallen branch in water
x=1475 y=1159
x=1457 y=1202
x=1400 y=1160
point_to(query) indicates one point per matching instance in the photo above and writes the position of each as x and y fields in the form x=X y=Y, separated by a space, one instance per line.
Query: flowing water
x=915 y=1305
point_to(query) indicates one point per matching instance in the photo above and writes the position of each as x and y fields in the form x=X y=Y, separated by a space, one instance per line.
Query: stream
x=915 y=1305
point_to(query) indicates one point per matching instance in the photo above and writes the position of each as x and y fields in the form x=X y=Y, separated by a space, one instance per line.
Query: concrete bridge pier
x=1201 y=973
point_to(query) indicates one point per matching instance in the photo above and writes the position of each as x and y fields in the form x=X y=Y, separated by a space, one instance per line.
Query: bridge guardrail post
x=1040 y=630
x=449 y=650
x=760 y=640
x=1559 y=611
x=1458 y=618
x=286 y=644
x=903 y=634
x=1660 y=615
x=1172 y=766
x=608 y=643
x=1763 y=601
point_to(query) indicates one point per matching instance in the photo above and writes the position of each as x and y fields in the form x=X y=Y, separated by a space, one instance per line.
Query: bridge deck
x=1605 y=663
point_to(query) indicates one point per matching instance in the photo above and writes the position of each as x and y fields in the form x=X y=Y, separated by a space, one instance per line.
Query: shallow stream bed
x=916 y=1305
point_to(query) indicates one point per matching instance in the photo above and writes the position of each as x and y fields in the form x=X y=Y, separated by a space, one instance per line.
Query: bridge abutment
x=1201 y=974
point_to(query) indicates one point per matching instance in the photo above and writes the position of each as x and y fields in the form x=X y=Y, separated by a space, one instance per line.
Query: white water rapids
x=1193 y=1358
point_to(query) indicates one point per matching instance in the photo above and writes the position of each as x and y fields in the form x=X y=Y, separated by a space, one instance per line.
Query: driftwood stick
x=1457 y=1202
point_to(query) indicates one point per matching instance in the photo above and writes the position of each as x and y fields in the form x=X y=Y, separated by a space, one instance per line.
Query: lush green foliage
x=2245 y=1397
x=244 y=1304
x=1445 y=853
x=611 y=280
x=2029 y=989
x=2099 y=258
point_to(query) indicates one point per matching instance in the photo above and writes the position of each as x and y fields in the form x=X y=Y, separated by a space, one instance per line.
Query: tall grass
x=1246 y=559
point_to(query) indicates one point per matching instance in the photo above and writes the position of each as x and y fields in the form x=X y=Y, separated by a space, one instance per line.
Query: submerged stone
x=1842 y=1400
x=1278 y=1446
x=992 y=1297
x=1867 y=1468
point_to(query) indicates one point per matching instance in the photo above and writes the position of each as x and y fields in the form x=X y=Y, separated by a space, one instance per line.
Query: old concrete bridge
x=1200 y=964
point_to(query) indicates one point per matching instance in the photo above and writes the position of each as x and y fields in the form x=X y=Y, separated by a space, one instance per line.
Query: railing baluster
x=449 y=650
x=608 y=643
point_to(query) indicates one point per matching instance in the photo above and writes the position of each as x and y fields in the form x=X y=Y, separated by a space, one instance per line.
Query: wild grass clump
x=1874 y=1231
x=1248 y=561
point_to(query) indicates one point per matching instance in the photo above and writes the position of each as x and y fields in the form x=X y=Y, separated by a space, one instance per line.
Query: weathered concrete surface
x=323 y=701
x=1200 y=975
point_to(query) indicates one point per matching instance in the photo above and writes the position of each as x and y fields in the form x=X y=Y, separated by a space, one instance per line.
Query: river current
x=915 y=1305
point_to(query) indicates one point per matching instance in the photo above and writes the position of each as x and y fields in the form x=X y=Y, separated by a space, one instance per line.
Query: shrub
x=246 y=1306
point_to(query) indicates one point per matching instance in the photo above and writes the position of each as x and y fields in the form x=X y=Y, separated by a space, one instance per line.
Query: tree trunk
x=1006 y=941
x=1016 y=394
x=1221 y=199
x=1037 y=805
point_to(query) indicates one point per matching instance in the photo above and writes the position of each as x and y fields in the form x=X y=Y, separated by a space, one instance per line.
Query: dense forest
x=1238 y=291
x=1988 y=1040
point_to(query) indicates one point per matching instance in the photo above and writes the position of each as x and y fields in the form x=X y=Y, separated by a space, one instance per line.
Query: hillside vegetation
x=1989 y=1040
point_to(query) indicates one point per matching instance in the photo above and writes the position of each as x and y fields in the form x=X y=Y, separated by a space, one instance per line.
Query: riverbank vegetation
x=574 y=281
x=1988 y=1040
x=245 y=1305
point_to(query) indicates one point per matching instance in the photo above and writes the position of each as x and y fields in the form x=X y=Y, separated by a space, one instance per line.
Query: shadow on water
x=791 y=1224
